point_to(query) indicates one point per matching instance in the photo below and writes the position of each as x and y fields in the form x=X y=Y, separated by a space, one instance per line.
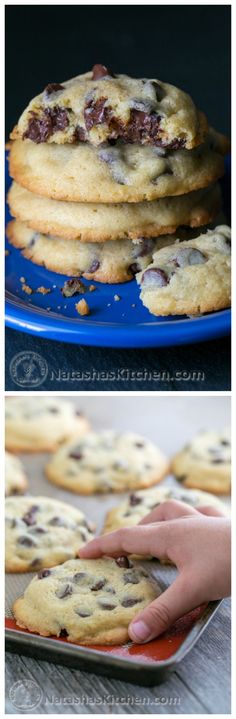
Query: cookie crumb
x=82 y=307
x=92 y=288
x=22 y=279
x=133 y=305
x=73 y=287
x=27 y=289
x=109 y=304
x=48 y=309
x=7 y=252
x=43 y=290
x=117 y=298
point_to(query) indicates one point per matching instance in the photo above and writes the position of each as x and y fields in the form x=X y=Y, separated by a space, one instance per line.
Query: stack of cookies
x=106 y=170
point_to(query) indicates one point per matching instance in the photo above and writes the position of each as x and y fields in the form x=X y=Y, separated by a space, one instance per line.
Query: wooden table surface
x=201 y=685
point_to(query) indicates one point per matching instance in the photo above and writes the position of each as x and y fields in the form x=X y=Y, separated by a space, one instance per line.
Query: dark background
x=186 y=45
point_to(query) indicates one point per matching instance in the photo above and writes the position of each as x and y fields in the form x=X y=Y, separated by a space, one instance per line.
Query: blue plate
x=122 y=323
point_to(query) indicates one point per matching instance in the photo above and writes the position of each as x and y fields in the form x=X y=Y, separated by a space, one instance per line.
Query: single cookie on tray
x=139 y=504
x=108 y=461
x=109 y=262
x=86 y=601
x=205 y=462
x=15 y=478
x=41 y=424
x=116 y=173
x=190 y=277
x=99 y=106
x=42 y=532
x=88 y=222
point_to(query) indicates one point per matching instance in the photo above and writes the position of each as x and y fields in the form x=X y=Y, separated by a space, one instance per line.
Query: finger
x=211 y=511
x=131 y=540
x=171 y=509
x=178 y=599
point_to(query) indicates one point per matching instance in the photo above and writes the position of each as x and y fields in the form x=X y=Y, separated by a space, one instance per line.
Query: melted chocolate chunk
x=79 y=576
x=76 y=455
x=64 y=591
x=131 y=578
x=53 y=119
x=94 y=266
x=63 y=633
x=80 y=134
x=83 y=613
x=57 y=522
x=73 y=287
x=96 y=112
x=154 y=277
x=123 y=562
x=106 y=605
x=44 y=573
x=130 y=601
x=36 y=562
x=134 y=268
x=53 y=87
x=29 y=517
x=98 y=585
x=134 y=500
x=100 y=71
x=26 y=541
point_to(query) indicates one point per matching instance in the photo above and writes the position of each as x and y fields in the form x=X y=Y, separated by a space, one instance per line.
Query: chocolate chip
x=26 y=541
x=57 y=522
x=64 y=591
x=44 y=573
x=130 y=601
x=98 y=585
x=217 y=461
x=79 y=134
x=78 y=413
x=131 y=578
x=36 y=562
x=41 y=128
x=94 y=266
x=154 y=277
x=73 y=287
x=225 y=443
x=53 y=87
x=123 y=562
x=134 y=500
x=106 y=605
x=38 y=530
x=139 y=444
x=96 y=112
x=76 y=455
x=63 y=633
x=134 y=268
x=100 y=71
x=189 y=256
x=182 y=477
x=29 y=517
x=79 y=576
x=83 y=613
x=144 y=247
x=53 y=410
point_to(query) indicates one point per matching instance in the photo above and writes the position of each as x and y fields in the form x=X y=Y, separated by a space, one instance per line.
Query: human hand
x=196 y=541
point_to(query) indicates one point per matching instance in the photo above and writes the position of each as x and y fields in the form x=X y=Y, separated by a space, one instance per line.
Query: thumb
x=162 y=613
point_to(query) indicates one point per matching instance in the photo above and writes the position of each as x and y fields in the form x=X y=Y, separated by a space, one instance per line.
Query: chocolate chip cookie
x=101 y=106
x=86 y=601
x=89 y=222
x=41 y=424
x=42 y=532
x=116 y=173
x=107 y=461
x=205 y=462
x=139 y=504
x=189 y=277
x=109 y=262
x=15 y=478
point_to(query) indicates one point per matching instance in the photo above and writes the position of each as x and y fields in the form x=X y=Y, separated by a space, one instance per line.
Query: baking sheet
x=162 y=652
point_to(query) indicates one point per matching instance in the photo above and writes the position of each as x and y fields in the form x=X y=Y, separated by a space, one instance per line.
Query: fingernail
x=139 y=631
